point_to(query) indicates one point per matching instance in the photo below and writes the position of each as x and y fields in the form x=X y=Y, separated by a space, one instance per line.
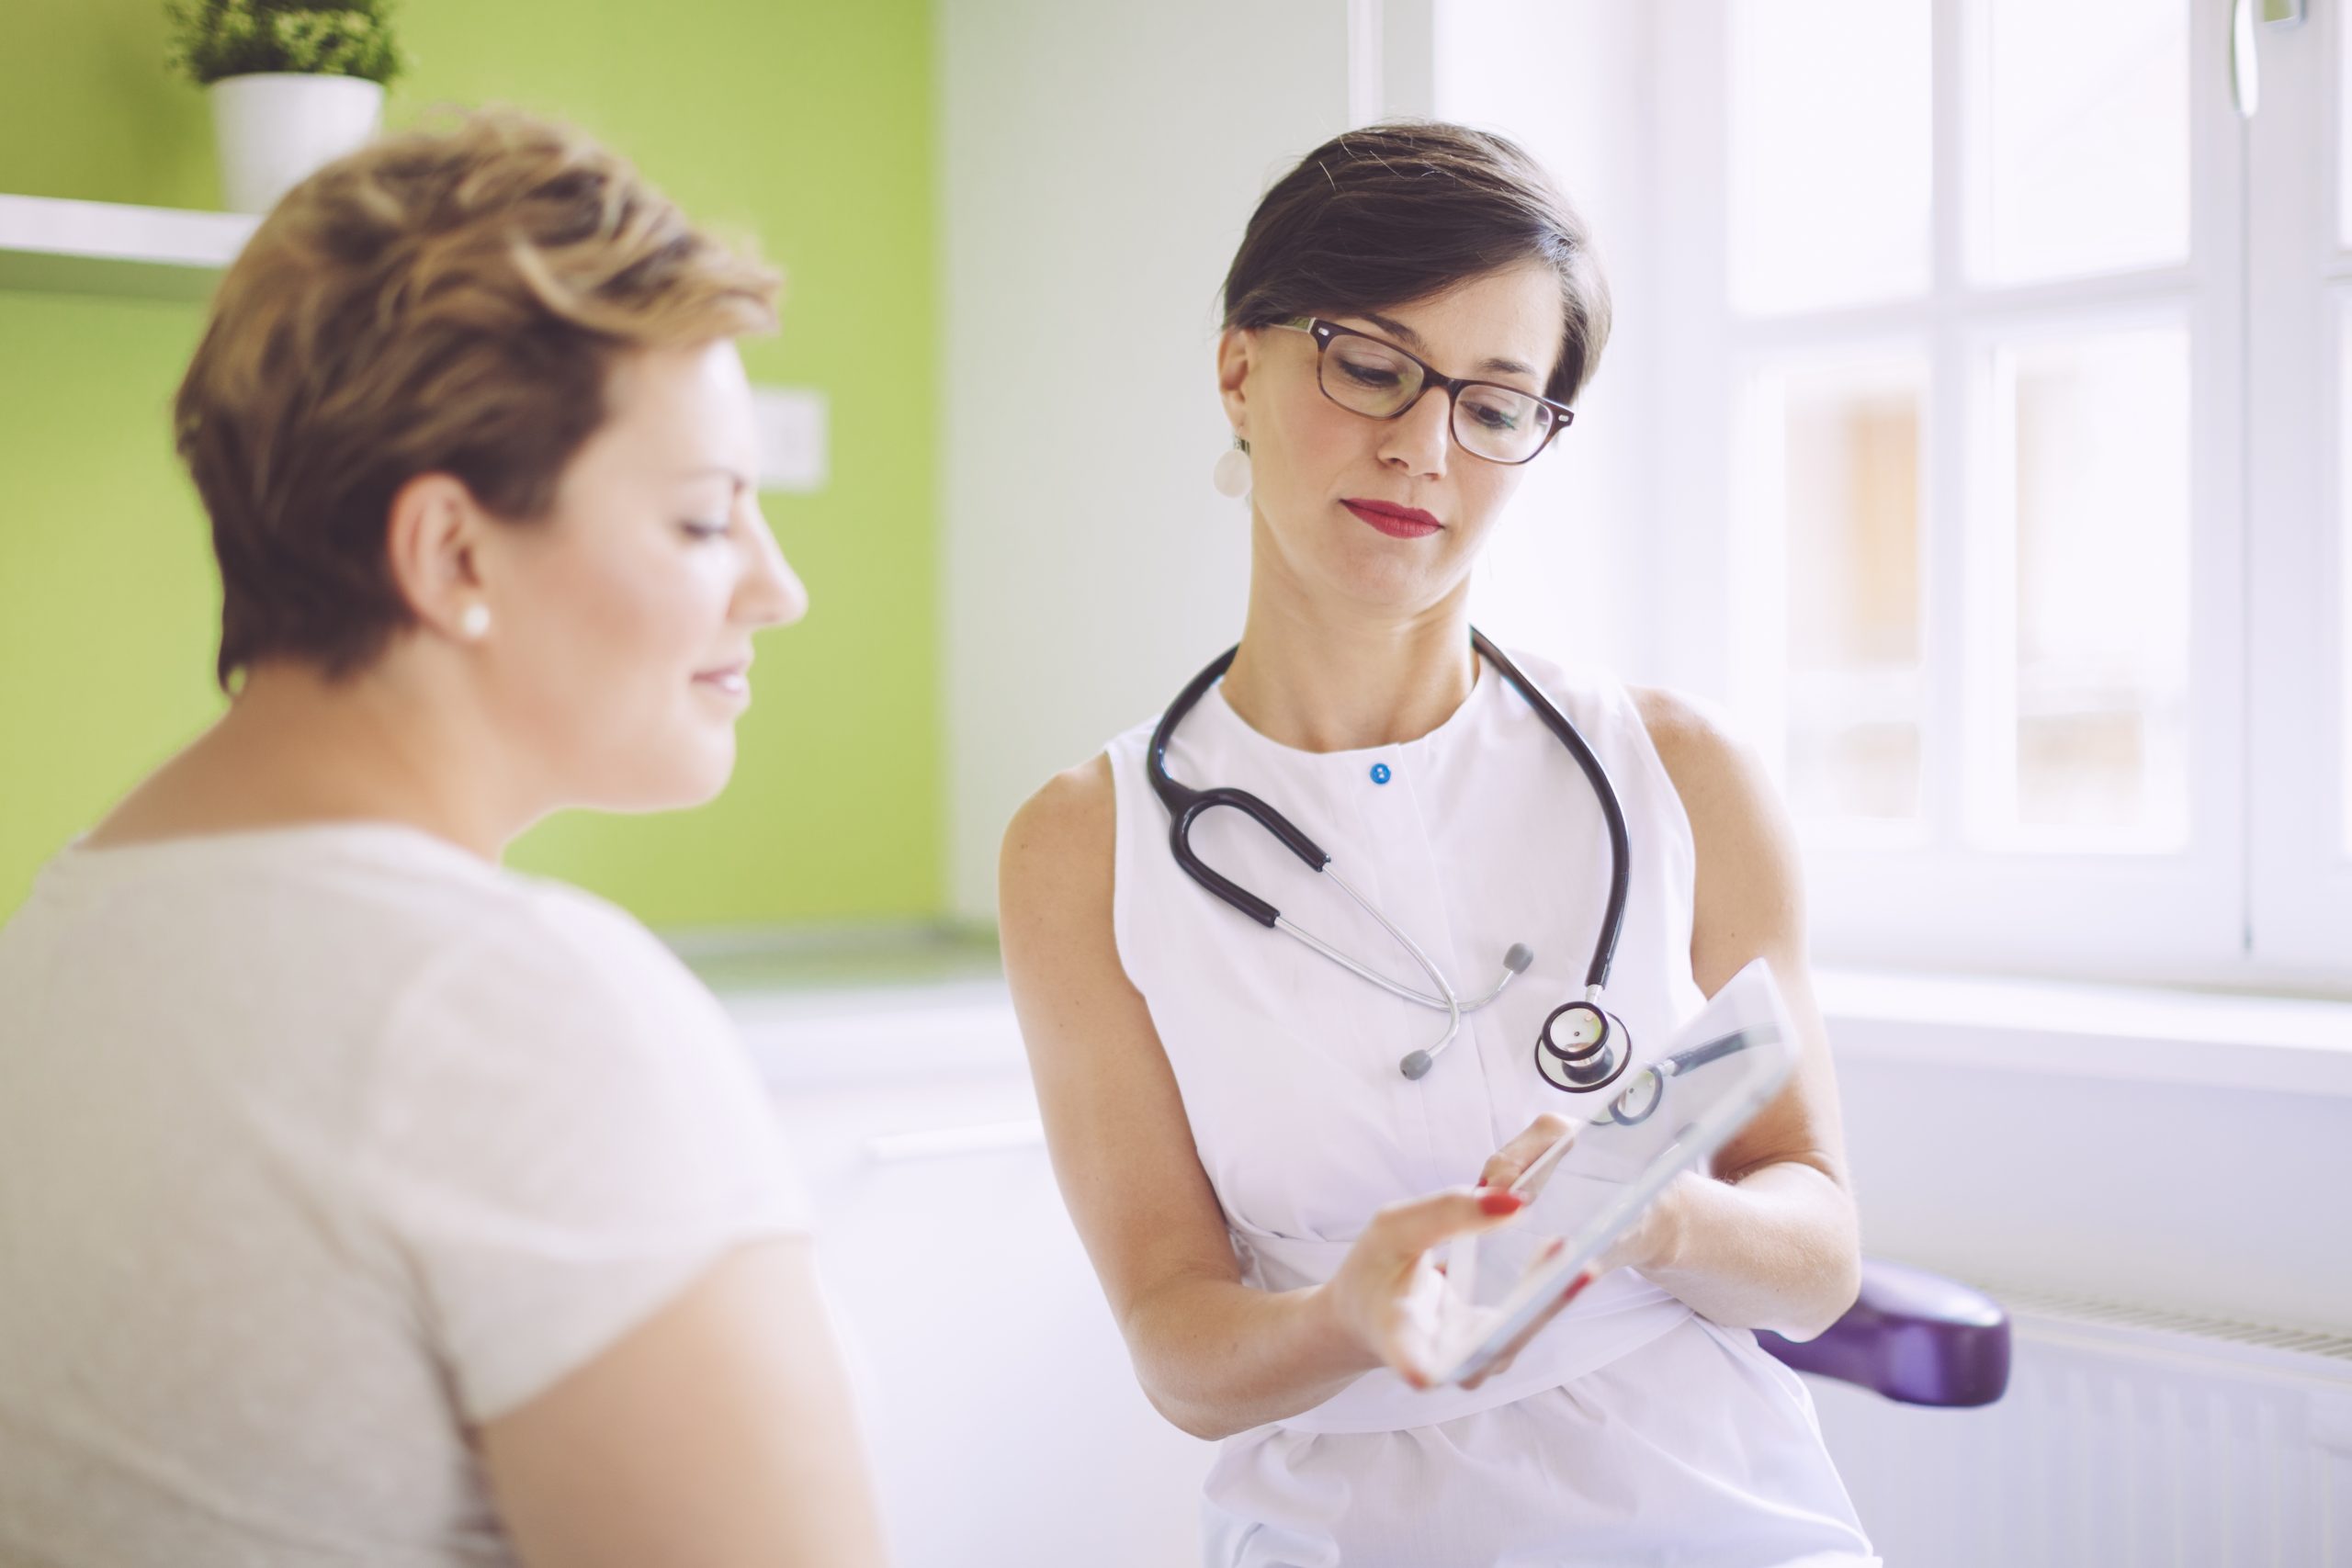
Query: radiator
x=2128 y=1438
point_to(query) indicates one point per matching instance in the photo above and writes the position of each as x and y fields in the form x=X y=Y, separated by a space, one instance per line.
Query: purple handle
x=1913 y=1337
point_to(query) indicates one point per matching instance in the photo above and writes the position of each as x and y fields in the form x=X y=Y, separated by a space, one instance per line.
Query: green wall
x=807 y=125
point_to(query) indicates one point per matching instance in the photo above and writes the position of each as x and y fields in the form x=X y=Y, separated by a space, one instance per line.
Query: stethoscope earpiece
x=1417 y=1064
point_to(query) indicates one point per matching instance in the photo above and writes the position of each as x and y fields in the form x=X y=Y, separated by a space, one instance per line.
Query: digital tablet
x=1670 y=1114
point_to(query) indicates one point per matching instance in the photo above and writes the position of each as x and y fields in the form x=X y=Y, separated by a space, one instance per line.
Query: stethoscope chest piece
x=1581 y=1048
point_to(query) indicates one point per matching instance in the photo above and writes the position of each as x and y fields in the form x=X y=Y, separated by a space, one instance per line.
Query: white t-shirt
x=319 y=1146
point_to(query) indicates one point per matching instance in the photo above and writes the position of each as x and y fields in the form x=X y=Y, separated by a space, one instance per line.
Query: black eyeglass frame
x=1323 y=331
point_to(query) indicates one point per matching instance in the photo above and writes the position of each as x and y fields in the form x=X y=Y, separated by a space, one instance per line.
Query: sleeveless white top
x=1482 y=833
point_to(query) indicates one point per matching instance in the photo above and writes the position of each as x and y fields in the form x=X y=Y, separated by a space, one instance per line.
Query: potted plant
x=293 y=83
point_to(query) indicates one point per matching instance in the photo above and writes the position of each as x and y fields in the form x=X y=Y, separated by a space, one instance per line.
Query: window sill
x=826 y=1022
x=2144 y=1034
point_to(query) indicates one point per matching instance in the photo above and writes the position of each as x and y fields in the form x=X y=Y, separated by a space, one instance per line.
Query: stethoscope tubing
x=1185 y=806
x=1447 y=999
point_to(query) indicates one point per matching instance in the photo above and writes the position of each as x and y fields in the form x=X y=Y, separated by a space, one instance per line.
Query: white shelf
x=99 y=247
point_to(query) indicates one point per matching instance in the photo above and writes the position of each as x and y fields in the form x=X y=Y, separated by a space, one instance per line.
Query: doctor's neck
x=1320 y=678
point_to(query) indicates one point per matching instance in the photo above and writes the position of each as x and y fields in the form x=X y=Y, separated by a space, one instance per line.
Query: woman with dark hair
x=1255 y=1153
x=368 y=1203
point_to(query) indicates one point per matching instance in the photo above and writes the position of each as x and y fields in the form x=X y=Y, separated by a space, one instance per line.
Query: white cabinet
x=1005 y=1422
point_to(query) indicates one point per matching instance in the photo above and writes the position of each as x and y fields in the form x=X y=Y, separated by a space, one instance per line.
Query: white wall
x=1573 y=572
x=2226 y=1202
x=1097 y=165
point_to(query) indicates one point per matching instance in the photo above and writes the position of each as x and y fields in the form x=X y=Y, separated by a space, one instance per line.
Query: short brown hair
x=445 y=301
x=1398 y=213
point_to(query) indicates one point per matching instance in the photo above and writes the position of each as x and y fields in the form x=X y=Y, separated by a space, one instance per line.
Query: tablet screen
x=1669 y=1114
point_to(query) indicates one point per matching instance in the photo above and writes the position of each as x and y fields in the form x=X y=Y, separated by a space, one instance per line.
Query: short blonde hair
x=444 y=301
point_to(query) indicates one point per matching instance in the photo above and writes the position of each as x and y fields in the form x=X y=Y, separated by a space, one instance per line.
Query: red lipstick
x=1397 y=522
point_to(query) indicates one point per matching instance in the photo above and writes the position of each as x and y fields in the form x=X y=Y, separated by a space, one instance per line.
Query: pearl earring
x=473 y=623
x=1231 y=475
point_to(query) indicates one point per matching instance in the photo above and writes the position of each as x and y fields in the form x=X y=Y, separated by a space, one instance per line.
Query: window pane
x=2344 y=542
x=1829 y=151
x=2344 y=133
x=2080 y=151
x=1851 y=532
x=2101 y=442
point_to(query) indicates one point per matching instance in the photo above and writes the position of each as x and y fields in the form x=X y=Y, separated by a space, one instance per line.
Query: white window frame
x=2299 y=313
x=2263 y=894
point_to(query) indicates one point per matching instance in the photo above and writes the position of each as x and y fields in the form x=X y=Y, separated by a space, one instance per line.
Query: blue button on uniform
x=1379 y=773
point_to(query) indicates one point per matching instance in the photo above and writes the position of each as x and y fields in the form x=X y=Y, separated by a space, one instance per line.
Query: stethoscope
x=1645 y=1091
x=1580 y=1049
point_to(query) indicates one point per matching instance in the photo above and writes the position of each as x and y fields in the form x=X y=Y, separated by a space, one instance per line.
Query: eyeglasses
x=1363 y=375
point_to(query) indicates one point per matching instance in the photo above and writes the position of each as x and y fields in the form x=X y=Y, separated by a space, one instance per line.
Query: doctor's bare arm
x=1769 y=1240
x=1213 y=1356
x=719 y=1432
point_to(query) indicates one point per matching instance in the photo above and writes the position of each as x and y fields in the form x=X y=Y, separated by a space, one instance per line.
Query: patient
x=364 y=1201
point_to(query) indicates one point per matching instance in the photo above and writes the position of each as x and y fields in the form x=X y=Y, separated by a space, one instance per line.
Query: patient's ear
x=432 y=535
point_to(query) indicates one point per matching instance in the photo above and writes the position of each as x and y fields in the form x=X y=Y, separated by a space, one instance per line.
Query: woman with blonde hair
x=366 y=1202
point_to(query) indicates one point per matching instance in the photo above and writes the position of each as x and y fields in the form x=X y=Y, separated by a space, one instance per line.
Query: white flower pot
x=274 y=128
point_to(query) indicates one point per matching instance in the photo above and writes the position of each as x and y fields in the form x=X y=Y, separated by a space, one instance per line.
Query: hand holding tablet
x=1594 y=1183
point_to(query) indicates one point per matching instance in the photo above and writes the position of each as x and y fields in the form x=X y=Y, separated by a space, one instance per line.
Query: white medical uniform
x=1632 y=1430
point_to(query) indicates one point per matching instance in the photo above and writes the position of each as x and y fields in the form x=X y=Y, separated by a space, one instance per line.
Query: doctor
x=1254 y=1163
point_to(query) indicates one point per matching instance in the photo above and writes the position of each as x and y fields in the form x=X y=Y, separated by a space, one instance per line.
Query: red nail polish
x=1501 y=1202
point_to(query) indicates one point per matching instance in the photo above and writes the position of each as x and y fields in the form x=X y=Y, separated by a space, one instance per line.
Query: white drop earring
x=473 y=622
x=1231 y=475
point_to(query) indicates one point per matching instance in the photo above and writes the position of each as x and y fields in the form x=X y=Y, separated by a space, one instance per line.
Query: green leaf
x=213 y=38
